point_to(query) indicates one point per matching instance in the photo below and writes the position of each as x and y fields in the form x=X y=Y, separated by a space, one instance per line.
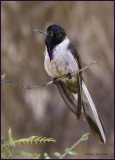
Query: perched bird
x=62 y=58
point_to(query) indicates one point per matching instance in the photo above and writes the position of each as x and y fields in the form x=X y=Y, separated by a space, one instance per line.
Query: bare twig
x=10 y=82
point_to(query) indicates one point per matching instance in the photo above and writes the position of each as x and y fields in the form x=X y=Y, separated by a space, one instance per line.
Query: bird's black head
x=54 y=36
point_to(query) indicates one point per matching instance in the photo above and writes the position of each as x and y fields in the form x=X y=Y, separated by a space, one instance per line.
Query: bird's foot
x=54 y=80
x=69 y=76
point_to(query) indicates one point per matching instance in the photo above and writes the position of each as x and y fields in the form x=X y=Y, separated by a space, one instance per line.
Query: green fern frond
x=12 y=142
x=32 y=139
x=8 y=148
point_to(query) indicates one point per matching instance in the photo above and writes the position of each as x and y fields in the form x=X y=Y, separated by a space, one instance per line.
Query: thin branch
x=83 y=138
x=11 y=82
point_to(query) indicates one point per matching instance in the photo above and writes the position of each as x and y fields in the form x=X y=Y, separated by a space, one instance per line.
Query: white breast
x=63 y=61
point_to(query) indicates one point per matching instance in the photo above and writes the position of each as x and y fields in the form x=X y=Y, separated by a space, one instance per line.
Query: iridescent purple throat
x=50 y=54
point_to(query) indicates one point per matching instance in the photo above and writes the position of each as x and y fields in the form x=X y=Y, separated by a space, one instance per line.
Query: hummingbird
x=61 y=58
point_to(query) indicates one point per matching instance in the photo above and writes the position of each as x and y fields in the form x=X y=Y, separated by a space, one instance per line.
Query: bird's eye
x=50 y=33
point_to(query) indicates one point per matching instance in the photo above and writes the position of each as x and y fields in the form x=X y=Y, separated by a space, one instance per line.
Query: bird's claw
x=69 y=76
x=54 y=80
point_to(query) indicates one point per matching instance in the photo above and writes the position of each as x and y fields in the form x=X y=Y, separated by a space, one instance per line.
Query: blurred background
x=42 y=112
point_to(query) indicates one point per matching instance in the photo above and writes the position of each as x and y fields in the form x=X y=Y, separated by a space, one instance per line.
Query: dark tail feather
x=79 y=96
x=92 y=115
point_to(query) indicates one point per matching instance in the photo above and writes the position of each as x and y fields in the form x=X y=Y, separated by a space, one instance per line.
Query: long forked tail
x=92 y=115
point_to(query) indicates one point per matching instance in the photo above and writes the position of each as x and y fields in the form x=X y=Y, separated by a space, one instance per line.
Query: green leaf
x=57 y=154
x=72 y=153
x=85 y=137
x=36 y=156
x=51 y=139
x=26 y=154
x=46 y=156
x=67 y=149
x=10 y=137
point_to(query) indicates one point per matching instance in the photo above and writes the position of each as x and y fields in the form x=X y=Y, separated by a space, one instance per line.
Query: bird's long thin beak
x=40 y=31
